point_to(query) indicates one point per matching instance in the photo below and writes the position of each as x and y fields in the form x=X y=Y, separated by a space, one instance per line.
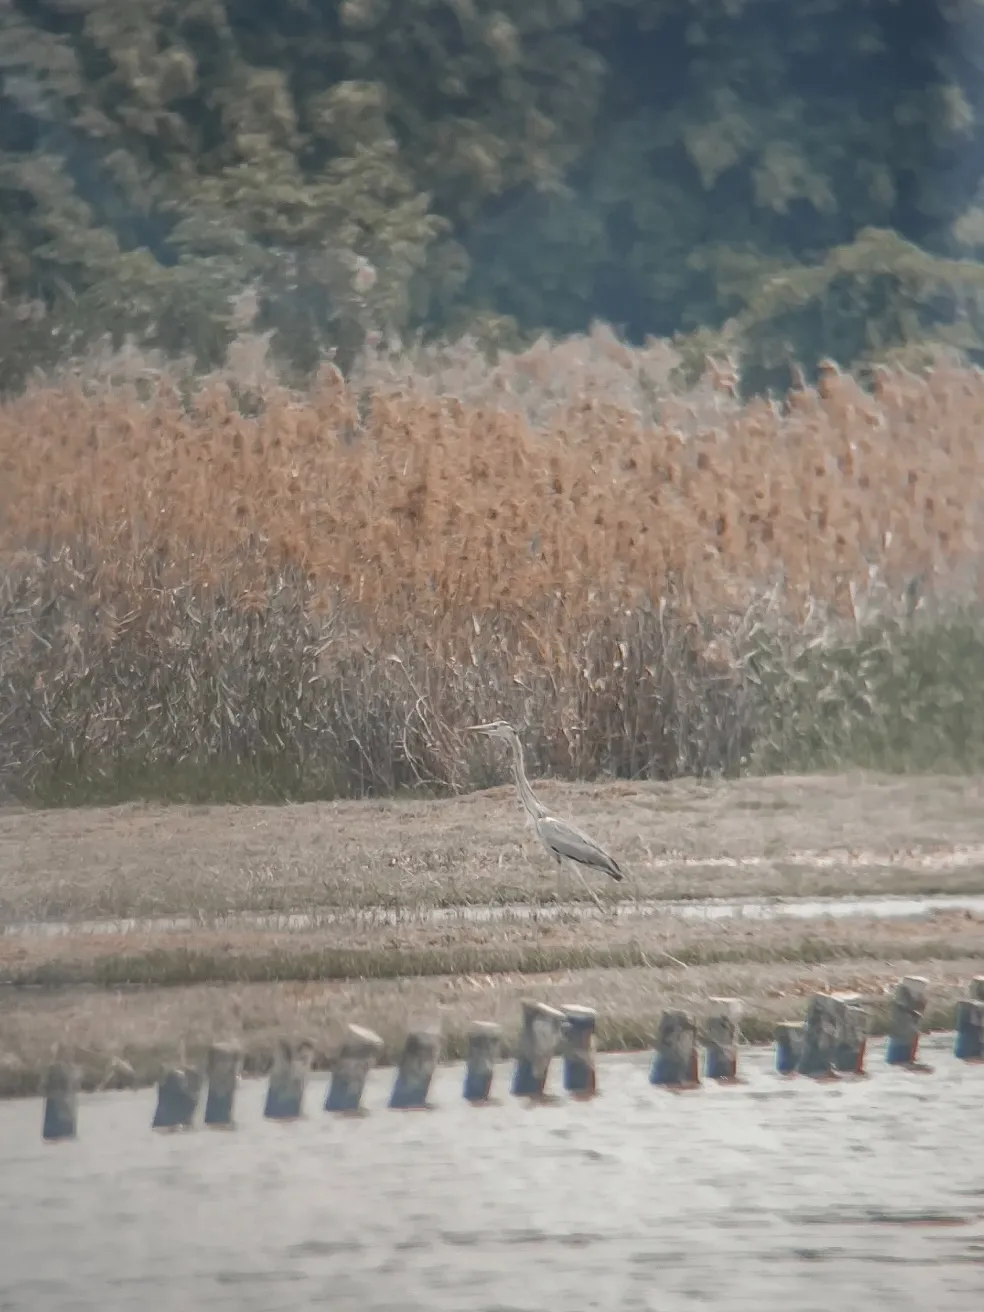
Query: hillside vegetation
x=791 y=182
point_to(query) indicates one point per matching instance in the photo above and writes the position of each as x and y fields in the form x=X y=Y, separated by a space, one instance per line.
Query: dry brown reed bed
x=397 y=498
x=223 y=587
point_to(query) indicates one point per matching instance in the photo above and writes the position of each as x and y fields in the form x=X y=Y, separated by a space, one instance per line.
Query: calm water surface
x=864 y=1195
x=893 y=907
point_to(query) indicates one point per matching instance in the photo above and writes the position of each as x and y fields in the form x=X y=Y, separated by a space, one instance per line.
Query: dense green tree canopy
x=811 y=175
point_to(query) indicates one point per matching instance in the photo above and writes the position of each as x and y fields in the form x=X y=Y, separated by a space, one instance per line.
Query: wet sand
x=775 y=1194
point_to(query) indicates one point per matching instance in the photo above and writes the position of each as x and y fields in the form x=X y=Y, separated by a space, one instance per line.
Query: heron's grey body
x=562 y=840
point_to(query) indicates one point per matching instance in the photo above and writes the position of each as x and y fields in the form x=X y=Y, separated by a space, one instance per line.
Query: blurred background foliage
x=786 y=182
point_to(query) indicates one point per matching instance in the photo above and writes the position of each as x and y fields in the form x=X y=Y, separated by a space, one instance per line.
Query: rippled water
x=866 y=1194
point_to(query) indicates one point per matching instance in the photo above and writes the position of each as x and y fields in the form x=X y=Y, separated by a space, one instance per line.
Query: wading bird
x=561 y=840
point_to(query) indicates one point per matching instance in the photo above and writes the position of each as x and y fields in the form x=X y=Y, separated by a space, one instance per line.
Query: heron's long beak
x=479 y=728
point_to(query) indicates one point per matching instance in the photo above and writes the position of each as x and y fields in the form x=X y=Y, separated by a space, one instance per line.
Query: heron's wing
x=567 y=840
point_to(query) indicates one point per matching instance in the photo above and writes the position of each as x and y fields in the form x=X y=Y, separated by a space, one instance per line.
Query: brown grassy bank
x=344 y=953
x=780 y=836
x=148 y=1027
x=222 y=590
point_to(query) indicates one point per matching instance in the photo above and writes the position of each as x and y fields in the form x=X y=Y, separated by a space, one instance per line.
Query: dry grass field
x=782 y=836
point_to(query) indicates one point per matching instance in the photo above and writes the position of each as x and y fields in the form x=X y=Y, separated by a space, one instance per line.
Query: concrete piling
x=821 y=1035
x=225 y=1061
x=417 y=1063
x=968 y=1043
x=789 y=1046
x=178 y=1095
x=675 y=1059
x=578 y=1039
x=721 y=1033
x=908 y=1007
x=852 y=1040
x=360 y=1050
x=288 y=1080
x=61 y=1102
x=537 y=1045
x=832 y=1040
x=484 y=1042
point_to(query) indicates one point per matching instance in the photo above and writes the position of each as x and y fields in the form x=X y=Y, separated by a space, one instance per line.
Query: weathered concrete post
x=537 y=1045
x=578 y=1037
x=789 y=1046
x=359 y=1053
x=178 y=1094
x=721 y=1032
x=417 y=1062
x=852 y=1040
x=824 y=1024
x=61 y=1102
x=908 y=1007
x=675 y=1059
x=225 y=1061
x=484 y=1041
x=288 y=1080
x=968 y=1043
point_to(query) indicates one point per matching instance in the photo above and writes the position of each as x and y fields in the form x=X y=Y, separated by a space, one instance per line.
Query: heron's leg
x=591 y=893
x=560 y=881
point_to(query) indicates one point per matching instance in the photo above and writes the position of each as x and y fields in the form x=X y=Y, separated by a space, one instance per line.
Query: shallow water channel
x=865 y=1194
x=797 y=908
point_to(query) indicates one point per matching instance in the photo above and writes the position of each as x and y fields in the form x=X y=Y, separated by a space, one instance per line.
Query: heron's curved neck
x=526 y=794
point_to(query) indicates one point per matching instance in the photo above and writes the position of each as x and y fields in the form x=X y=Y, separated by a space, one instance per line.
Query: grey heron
x=562 y=840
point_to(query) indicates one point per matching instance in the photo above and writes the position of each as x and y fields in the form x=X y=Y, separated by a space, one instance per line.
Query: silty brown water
x=865 y=1194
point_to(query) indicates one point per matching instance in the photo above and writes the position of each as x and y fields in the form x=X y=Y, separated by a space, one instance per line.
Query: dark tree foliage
x=790 y=180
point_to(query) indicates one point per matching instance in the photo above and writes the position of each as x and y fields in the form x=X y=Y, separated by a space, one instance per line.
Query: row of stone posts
x=830 y=1042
